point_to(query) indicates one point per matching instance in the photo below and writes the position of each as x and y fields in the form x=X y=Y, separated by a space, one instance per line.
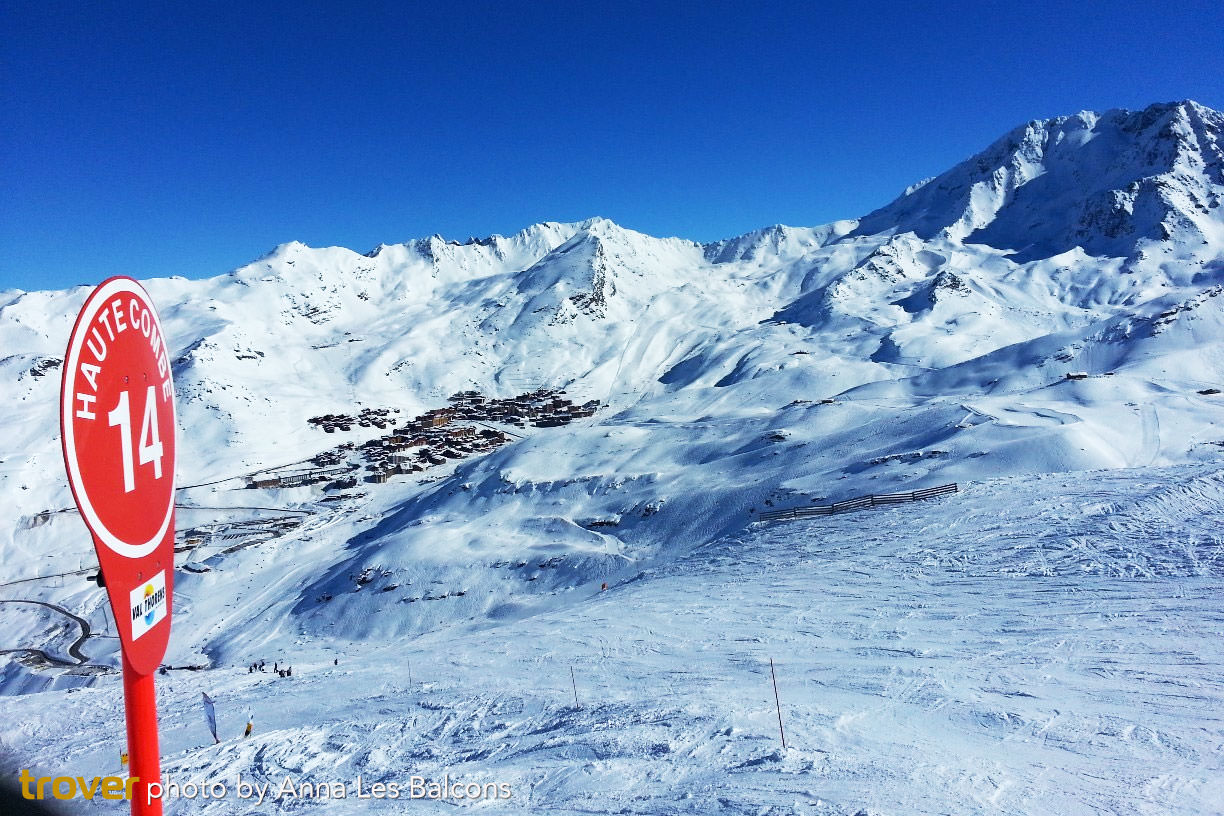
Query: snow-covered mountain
x=928 y=342
x=1110 y=184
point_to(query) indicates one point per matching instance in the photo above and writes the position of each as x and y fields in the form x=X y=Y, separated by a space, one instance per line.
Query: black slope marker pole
x=777 y=702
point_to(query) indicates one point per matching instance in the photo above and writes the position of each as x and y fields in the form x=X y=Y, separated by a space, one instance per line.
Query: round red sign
x=118 y=427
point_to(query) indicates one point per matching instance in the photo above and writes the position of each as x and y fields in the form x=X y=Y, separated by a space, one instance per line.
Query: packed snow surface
x=1031 y=645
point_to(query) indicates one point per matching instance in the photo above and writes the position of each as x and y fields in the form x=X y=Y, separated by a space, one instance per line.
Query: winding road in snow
x=74 y=649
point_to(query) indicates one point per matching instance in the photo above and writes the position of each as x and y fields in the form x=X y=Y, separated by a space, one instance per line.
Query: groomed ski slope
x=1032 y=645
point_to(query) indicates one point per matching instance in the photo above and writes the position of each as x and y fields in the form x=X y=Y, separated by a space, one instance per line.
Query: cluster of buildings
x=543 y=408
x=298 y=478
x=454 y=432
x=368 y=418
x=413 y=449
x=445 y=433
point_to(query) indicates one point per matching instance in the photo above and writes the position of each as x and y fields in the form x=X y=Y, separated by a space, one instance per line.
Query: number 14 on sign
x=150 y=448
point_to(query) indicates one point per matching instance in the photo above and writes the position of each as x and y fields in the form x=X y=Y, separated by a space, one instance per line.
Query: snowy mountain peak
x=537 y=239
x=1104 y=182
x=777 y=242
x=600 y=260
x=280 y=252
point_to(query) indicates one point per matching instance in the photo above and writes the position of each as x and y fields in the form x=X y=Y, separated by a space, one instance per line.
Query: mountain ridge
x=764 y=369
x=1104 y=189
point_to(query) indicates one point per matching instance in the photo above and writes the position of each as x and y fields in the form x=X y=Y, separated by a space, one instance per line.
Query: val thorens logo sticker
x=148 y=604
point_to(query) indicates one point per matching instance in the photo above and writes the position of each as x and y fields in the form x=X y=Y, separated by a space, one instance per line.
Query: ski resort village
x=920 y=512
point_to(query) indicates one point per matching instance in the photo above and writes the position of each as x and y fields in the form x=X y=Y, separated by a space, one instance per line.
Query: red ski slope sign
x=118 y=428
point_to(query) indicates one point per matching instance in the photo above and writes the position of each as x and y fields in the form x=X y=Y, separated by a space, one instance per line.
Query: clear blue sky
x=155 y=139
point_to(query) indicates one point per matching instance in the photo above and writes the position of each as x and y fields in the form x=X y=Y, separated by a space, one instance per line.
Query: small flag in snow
x=211 y=714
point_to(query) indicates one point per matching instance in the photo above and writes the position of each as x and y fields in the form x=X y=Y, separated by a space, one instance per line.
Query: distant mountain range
x=928 y=341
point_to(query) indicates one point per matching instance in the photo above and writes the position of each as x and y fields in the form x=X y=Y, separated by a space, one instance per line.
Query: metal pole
x=574 y=683
x=777 y=702
x=144 y=763
x=106 y=618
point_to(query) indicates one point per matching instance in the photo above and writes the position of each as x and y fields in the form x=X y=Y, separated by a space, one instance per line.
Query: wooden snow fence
x=861 y=503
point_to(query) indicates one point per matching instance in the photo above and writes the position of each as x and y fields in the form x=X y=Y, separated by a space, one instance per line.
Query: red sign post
x=117 y=425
